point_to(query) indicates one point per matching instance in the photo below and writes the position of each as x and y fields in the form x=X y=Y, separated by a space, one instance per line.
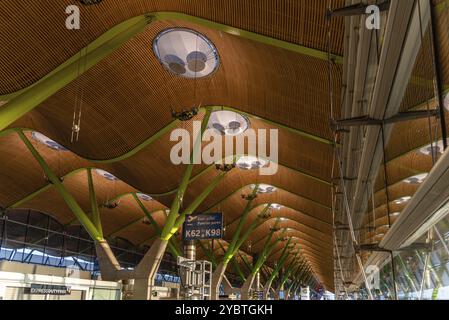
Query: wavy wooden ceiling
x=128 y=97
x=42 y=23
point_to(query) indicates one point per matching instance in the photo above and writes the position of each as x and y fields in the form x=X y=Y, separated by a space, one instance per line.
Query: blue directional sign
x=203 y=227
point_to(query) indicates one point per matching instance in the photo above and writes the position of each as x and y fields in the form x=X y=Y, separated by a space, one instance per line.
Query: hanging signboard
x=49 y=289
x=203 y=227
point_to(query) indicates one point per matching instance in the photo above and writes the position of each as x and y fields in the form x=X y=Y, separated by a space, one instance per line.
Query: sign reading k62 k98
x=203 y=227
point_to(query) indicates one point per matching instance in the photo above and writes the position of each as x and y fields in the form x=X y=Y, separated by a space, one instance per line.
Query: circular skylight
x=251 y=163
x=144 y=197
x=47 y=141
x=438 y=147
x=395 y=214
x=276 y=206
x=418 y=179
x=186 y=53
x=228 y=123
x=402 y=200
x=106 y=175
x=264 y=188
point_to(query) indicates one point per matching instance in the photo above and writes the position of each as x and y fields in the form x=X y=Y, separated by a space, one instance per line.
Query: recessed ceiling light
x=47 y=141
x=251 y=163
x=144 y=197
x=402 y=200
x=264 y=188
x=228 y=123
x=418 y=179
x=186 y=53
x=106 y=175
x=438 y=147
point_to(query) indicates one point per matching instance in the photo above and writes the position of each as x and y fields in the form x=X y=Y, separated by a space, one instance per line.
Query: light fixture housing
x=251 y=163
x=186 y=53
x=418 y=179
x=106 y=175
x=229 y=123
x=264 y=188
x=47 y=141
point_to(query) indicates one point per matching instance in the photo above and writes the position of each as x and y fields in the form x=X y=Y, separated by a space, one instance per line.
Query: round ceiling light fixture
x=418 y=179
x=106 y=175
x=251 y=163
x=186 y=53
x=438 y=147
x=144 y=197
x=402 y=200
x=228 y=123
x=47 y=141
x=264 y=188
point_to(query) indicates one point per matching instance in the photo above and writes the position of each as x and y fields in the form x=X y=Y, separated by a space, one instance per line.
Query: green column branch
x=245 y=262
x=238 y=269
x=267 y=248
x=197 y=202
x=280 y=263
x=96 y=219
x=172 y=245
x=255 y=224
x=68 y=198
x=169 y=229
x=246 y=211
x=288 y=271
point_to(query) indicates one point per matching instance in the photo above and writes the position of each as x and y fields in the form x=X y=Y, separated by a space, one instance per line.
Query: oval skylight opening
x=106 y=175
x=402 y=200
x=438 y=148
x=395 y=214
x=144 y=197
x=47 y=141
x=276 y=206
x=228 y=123
x=264 y=188
x=418 y=179
x=187 y=53
x=251 y=163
